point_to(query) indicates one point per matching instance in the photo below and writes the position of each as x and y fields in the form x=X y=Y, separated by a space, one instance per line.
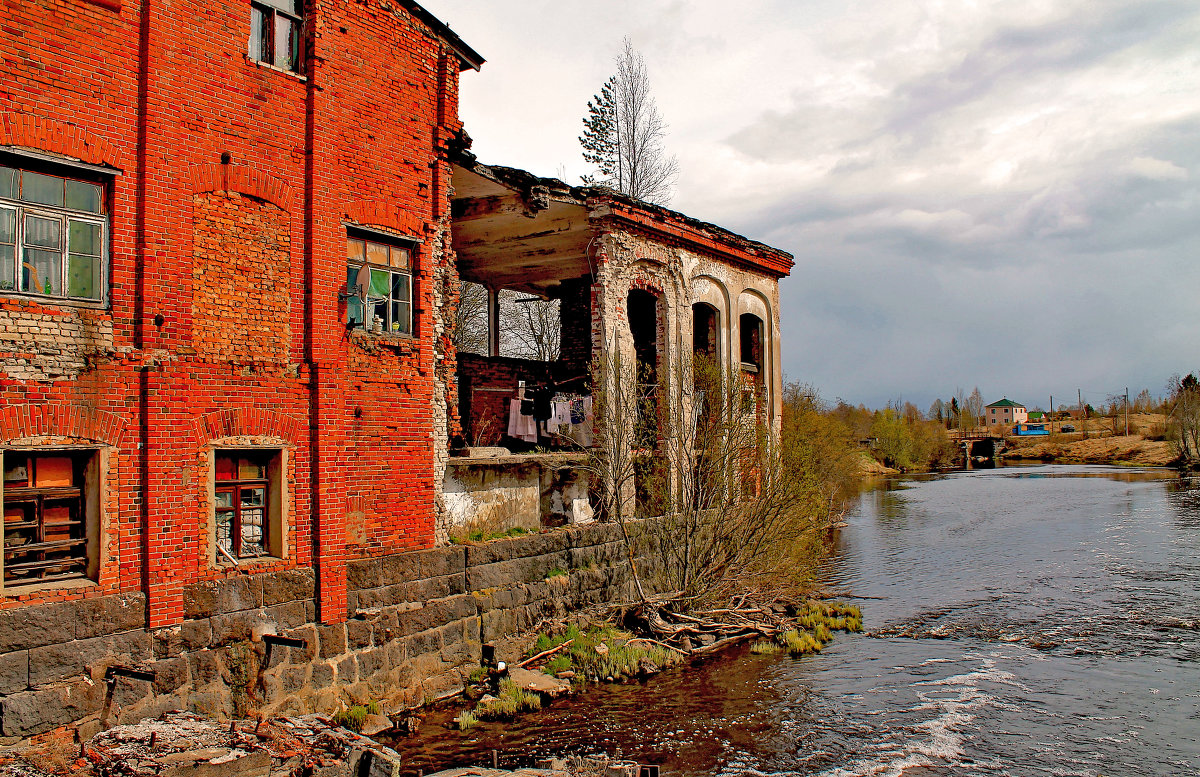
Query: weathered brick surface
x=233 y=184
x=241 y=278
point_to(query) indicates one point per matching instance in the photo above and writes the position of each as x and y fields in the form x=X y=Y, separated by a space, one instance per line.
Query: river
x=1019 y=621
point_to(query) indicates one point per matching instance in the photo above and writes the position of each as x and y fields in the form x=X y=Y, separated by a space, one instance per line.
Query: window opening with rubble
x=53 y=234
x=49 y=498
x=385 y=304
x=246 y=503
x=750 y=329
x=276 y=33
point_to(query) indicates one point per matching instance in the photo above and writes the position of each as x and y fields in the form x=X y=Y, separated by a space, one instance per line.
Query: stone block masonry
x=414 y=625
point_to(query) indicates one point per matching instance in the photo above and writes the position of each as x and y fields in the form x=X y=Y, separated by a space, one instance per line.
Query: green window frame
x=389 y=305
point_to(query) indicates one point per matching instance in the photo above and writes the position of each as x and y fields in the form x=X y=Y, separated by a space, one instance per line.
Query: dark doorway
x=642 y=308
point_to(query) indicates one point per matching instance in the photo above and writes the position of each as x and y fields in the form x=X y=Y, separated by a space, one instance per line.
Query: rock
x=566 y=674
x=376 y=724
x=539 y=682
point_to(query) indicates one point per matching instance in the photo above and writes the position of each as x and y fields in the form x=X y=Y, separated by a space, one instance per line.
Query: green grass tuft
x=508 y=703
x=764 y=647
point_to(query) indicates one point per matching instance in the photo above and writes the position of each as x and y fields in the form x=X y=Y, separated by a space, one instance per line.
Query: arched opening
x=750 y=327
x=642 y=310
x=706 y=321
x=750 y=330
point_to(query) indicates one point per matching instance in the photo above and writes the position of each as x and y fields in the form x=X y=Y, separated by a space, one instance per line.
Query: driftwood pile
x=707 y=631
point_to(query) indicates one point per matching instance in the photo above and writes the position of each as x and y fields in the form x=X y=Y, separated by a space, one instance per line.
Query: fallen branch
x=544 y=654
x=660 y=644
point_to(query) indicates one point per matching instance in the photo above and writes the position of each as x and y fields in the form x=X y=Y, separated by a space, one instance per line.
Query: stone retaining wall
x=415 y=624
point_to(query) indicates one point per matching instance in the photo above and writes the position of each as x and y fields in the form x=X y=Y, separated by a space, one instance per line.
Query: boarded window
x=46 y=527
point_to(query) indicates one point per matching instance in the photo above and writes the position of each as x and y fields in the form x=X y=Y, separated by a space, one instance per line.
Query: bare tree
x=735 y=510
x=975 y=406
x=624 y=134
x=471 y=319
x=1185 y=419
x=529 y=326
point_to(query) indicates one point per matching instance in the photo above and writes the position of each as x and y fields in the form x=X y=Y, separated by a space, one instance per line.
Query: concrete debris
x=182 y=743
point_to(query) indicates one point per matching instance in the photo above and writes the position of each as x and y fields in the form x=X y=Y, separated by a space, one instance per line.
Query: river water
x=1020 y=621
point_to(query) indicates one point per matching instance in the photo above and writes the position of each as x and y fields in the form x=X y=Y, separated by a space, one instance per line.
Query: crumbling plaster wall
x=683 y=278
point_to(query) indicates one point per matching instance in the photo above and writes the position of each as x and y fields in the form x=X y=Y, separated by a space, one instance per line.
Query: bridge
x=977 y=444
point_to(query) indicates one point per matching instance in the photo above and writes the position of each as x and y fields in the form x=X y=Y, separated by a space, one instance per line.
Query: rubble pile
x=183 y=743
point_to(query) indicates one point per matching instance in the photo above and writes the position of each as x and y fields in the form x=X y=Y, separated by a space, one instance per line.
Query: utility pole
x=1082 y=413
x=1127 y=411
x=1051 y=414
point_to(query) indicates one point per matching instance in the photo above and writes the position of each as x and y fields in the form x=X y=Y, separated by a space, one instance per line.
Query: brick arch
x=61 y=419
x=242 y=179
x=57 y=137
x=385 y=214
x=641 y=280
x=247 y=422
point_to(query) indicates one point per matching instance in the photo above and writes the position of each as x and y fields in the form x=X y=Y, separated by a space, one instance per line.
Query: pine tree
x=599 y=138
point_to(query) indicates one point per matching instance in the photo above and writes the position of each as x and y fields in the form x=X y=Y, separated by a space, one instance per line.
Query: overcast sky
x=994 y=194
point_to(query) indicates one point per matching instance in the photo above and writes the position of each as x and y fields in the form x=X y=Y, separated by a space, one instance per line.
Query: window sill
x=45 y=301
x=368 y=339
x=246 y=563
x=13 y=590
x=269 y=66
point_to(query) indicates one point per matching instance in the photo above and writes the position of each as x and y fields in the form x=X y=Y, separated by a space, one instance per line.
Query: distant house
x=1005 y=412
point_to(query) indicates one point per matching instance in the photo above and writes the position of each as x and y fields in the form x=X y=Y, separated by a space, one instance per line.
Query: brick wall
x=228 y=187
x=241 y=278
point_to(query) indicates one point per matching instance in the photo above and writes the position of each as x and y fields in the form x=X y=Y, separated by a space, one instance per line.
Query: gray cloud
x=1003 y=194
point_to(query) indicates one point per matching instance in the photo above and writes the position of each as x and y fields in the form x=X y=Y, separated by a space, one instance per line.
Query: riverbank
x=1133 y=449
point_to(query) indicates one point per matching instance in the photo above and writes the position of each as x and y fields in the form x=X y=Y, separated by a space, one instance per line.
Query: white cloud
x=939 y=169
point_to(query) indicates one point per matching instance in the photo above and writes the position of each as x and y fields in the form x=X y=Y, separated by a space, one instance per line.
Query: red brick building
x=187 y=193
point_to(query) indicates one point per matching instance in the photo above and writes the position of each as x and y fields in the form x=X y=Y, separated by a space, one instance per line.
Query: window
x=275 y=33
x=247 y=504
x=388 y=306
x=53 y=234
x=750 y=328
x=48 y=498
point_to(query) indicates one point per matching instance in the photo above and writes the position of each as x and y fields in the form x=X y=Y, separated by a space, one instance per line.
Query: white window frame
x=21 y=210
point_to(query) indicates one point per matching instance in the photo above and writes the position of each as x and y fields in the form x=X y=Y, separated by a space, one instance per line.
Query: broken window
x=276 y=28
x=388 y=291
x=53 y=235
x=46 y=523
x=751 y=328
x=245 y=492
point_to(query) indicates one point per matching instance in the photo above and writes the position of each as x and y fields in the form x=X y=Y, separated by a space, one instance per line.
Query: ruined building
x=231 y=239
